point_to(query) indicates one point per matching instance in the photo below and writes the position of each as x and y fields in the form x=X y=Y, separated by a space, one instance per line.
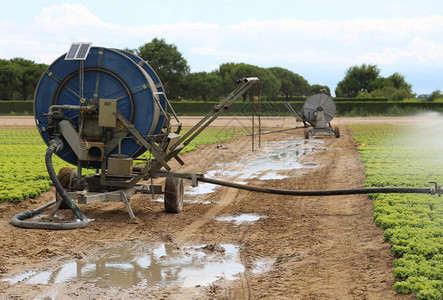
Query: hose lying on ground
x=382 y=190
x=17 y=220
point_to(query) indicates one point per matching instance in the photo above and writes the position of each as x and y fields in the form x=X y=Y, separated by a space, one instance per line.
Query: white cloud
x=67 y=15
x=299 y=41
x=427 y=51
x=418 y=51
x=281 y=42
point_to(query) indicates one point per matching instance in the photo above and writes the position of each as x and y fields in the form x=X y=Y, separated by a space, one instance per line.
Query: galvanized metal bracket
x=244 y=85
x=193 y=176
x=154 y=149
x=125 y=200
x=124 y=196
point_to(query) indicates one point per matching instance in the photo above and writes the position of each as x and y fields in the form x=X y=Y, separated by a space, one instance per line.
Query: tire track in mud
x=227 y=196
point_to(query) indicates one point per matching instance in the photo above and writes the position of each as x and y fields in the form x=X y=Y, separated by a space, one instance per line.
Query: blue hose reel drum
x=104 y=74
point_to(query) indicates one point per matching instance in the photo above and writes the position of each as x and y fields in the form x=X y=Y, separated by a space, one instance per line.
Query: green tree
x=9 y=79
x=204 y=86
x=230 y=73
x=228 y=76
x=348 y=87
x=357 y=79
x=302 y=87
x=434 y=95
x=380 y=83
x=400 y=83
x=243 y=70
x=394 y=87
x=19 y=78
x=391 y=93
x=269 y=83
x=168 y=63
x=29 y=75
x=286 y=77
x=318 y=88
x=292 y=84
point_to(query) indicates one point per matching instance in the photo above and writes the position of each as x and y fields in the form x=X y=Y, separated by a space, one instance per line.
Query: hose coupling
x=56 y=144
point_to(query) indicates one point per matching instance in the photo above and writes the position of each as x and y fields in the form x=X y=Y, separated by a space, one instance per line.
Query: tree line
x=365 y=81
x=178 y=81
x=19 y=78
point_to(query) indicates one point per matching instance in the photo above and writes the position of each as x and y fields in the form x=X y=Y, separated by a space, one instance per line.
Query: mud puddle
x=243 y=218
x=262 y=265
x=155 y=265
x=275 y=156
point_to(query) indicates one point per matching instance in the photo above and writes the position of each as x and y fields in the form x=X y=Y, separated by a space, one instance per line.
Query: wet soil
x=298 y=248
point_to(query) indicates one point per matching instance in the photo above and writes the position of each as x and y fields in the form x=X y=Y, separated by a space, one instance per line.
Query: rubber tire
x=173 y=195
x=306 y=132
x=337 y=132
x=66 y=176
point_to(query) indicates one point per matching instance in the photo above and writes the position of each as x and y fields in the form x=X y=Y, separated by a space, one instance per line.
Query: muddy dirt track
x=308 y=247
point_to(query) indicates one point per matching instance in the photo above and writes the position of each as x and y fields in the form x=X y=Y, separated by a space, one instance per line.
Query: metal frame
x=328 y=131
x=292 y=111
x=163 y=147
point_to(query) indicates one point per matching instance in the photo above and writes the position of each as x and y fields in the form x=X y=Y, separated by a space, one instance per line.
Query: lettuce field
x=22 y=165
x=407 y=156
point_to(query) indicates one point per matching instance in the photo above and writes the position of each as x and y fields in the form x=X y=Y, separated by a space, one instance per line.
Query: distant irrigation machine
x=316 y=114
x=100 y=108
x=318 y=111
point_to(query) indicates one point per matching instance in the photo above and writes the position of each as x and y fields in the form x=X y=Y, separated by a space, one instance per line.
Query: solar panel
x=72 y=51
x=78 y=51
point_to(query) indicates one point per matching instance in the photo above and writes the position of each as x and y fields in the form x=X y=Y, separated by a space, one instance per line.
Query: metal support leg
x=126 y=202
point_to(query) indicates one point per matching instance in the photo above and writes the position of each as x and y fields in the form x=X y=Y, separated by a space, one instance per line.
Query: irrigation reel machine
x=100 y=108
x=316 y=114
x=318 y=111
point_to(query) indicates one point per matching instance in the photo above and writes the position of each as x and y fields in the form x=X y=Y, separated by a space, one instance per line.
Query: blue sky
x=317 y=39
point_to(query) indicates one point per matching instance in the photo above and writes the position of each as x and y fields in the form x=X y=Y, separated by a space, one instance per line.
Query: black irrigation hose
x=17 y=220
x=386 y=190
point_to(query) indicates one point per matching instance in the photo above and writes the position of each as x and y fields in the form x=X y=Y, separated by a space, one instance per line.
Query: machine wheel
x=173 y=195
x=337 y=132
x=306 y=133
x=65 y=176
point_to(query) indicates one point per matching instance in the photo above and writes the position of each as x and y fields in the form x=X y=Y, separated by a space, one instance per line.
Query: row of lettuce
x=22 y=168
x=407 y=156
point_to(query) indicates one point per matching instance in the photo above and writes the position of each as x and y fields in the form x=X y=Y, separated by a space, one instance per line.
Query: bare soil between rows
x=320 y=247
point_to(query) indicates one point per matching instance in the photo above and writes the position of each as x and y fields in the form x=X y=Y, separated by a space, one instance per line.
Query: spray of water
x=429 y=129
x=423 y=140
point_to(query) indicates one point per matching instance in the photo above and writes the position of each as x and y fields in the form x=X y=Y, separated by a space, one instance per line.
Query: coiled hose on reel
x=18 y=220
